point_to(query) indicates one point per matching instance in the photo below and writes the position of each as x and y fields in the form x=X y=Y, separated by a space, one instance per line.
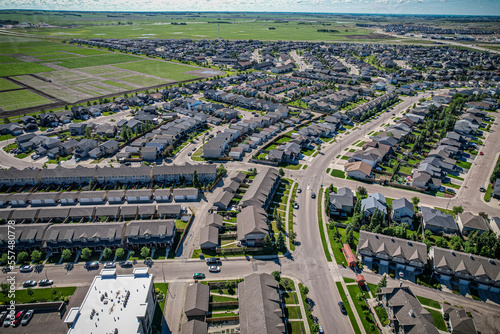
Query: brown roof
x=358 y=165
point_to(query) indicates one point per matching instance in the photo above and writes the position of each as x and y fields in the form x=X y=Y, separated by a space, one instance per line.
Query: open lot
x=162 y=69
x=21 y=99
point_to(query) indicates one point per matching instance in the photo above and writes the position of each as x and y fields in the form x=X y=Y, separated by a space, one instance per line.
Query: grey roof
x=185 y=192
x=239 y=177
x=73 y=195
x=128 y=210
x=402 y=203
x=408 y=311
x=475 y=222
x=197 y=297
x=214 y=220
x=258 y=192
x=24 y=214
x=139 y=193
x=251 y=219
x=194 y=327
x=53 y=212
x=107 y=210
x=373 y=202
x=24 y=232
x=437 y=218
x=393 y=247
x=147 y=209
x=151 y=227
x=343 y=197
x=495 y=225
x=232 y=186
x=459 y=321
x=85 y=230
x=44 y=196
x=92 y=194
x=168 y=209
x=163 y=193
x=81 y=211
x=209 y=234
x=459 y=262
x=259 y=303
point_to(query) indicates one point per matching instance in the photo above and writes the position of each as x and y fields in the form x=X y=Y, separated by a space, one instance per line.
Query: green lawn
x=283 y=140
x=489 y=191
x=7 y=59
x=6 y=85
x=343 y=296
x=429 y=302
x=368 y=323
x=455 y=177
x=20 y=99
x=382 y=315
x=349 y=280
x=294 y=327
x=163 y=288
x=320 y=225
x=88 y=52
x=406 y=169
x=294 y=312
x=117 y=84
x=43 y=294
x=105 y=59
x=464 y=164
x=338 y=173
x=143 y=80
x=438 y=319
x=161 y=69
x=220 y=299
x=290 y=298
x=22 y=68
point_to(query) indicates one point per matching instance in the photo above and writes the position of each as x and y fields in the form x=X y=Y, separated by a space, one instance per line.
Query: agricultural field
x=21 y=99
x=172 y=71
x=6 y=85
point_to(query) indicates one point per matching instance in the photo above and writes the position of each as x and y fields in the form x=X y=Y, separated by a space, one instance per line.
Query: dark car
x=126 y=264
x=2 y=316
x=92 y=265
x=313 y=195
x=342 y=308
x=213 y=260
x=18 y=318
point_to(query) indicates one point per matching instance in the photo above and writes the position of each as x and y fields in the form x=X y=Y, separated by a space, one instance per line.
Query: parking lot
x=43 y=322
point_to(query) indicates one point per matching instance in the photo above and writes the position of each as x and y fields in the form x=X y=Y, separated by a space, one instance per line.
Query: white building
x=115 y=304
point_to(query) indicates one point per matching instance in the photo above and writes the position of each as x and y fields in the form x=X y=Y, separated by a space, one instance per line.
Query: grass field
x=7 y=59
x=21 y=99
x=22 y=68
x=429 y=302
x=116 y=84
x=438 y=319
x=348 y=308
x=106 y=59
x=161 y=69
x=43 y=294
x=6 y=85
x=143 y=81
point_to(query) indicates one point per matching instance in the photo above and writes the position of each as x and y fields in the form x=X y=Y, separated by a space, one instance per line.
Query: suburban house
x=467 y=222
x=403 y=211
x=261 y=190
x=465 y=269
x=194 y=327
x=405 y=313
x=150 y=233
x=252 y=225
x=460 y=322
x=209 y=237
x=373 y=203
x=223 y=200
x=438 y=222
x=185 y=194
x=342 y=201
x=358 y=170
x=401 y=255
x=260 y=307
x=197 y=300
x=27 y=237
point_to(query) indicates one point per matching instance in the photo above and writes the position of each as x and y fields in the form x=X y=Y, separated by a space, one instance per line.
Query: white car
x=214 y=269
x=109 y=265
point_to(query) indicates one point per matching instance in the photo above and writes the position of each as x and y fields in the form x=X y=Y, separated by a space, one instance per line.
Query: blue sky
x=454 y=7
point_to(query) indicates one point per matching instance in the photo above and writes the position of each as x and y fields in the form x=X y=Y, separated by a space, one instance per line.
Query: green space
x=283 y=140
x=87 y=52
x=295 y=327
x=117 y=84
x=6 y=85
x=294 y=312
x=382 y=315
x=143 y=80
x=489 y=191
x=162 y=289
x=464 y=164
x=438 y=319
x=290 y=214
x=7 y=59
x=22 y=68
x=20 y=99
x=429 y=302
x=107 y=59
x=161 y=69
x=39 y=295
x=338 y=173
x=349 y=280
x=406 y=169
x=348 y=308
x=363 y=311
x=321 y=230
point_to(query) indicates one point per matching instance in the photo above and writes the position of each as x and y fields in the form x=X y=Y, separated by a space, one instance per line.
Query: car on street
x=214 y=269
x=92 y=265
x=342 y=308
x=190 y=154
x=198 y=276
x=8 y=320
x=194 y=149
x=482 y=189
x=18 y=318
x=44 y=282
x=313 y=195
x=29 y=283
x=109 y=265
x=26 y=269
x=320 y=330
x=126 y=264
x=393 y=114
x=27 y=317
x=213 y=260
x=210 y=162
x=481 y=153
x=299 y=190
x=296 y=205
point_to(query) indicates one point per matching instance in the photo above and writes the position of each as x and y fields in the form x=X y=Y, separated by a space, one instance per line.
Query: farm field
x=21 y=99
x=162 y=69
x=6 y=85
x=106 y=59
x=22 y=68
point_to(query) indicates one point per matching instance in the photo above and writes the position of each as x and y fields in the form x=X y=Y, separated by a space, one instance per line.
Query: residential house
x=252 y=225
x=262 y=189
x=27 y=237
x=459 y=321
x=373 y=203
x=185 y=194
x=358 y=170
x=150 y=233
x=209 y=237
x=342 y=201
x=438 y=222
x=467 y=222
x=403 y=211
x=197 y=300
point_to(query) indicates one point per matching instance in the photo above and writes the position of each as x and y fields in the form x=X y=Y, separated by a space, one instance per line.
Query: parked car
x=190 y=154
x=26 y=269
x=92 y=265
x=320 y=330
x=28 y=284
x=8 y=320
x=19 y=317
x=482 y=189
x=126 y=264
x=213 y=260
x=44 y=282
x=109 y=265
x=481 y=153
x=27 y=317
x=198 y=276
x=194 y=149
x=214 y=269
x=3 y=315
x=296 y=205
x=342 y=308
x=299 y=190
x=313 y=195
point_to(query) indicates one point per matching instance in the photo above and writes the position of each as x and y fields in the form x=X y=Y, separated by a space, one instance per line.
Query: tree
x=5 y=288
x=145 y=251
x=292 y=237
x=106 y=253
x=267 y=243
x=356 y=219
x=4 y=258
x=415 y=200
x=281 y=172
x=86 y=253
x=88 y=132
x=277 y=276
x=382 y=283
x=30 y=292
x=349 y=238
x=357 y=207
x=304 y=290
x=132 y=253
x=22 y=257
x=36 y=256
x=400 y=231
x=280 y=242
x=66 y=254
x=362 y=191
x=221 y=170
x=196 y=180
x=441 y=242
x=120 y=253
x=244 y=249
x=279 y=223
x=458 y=209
